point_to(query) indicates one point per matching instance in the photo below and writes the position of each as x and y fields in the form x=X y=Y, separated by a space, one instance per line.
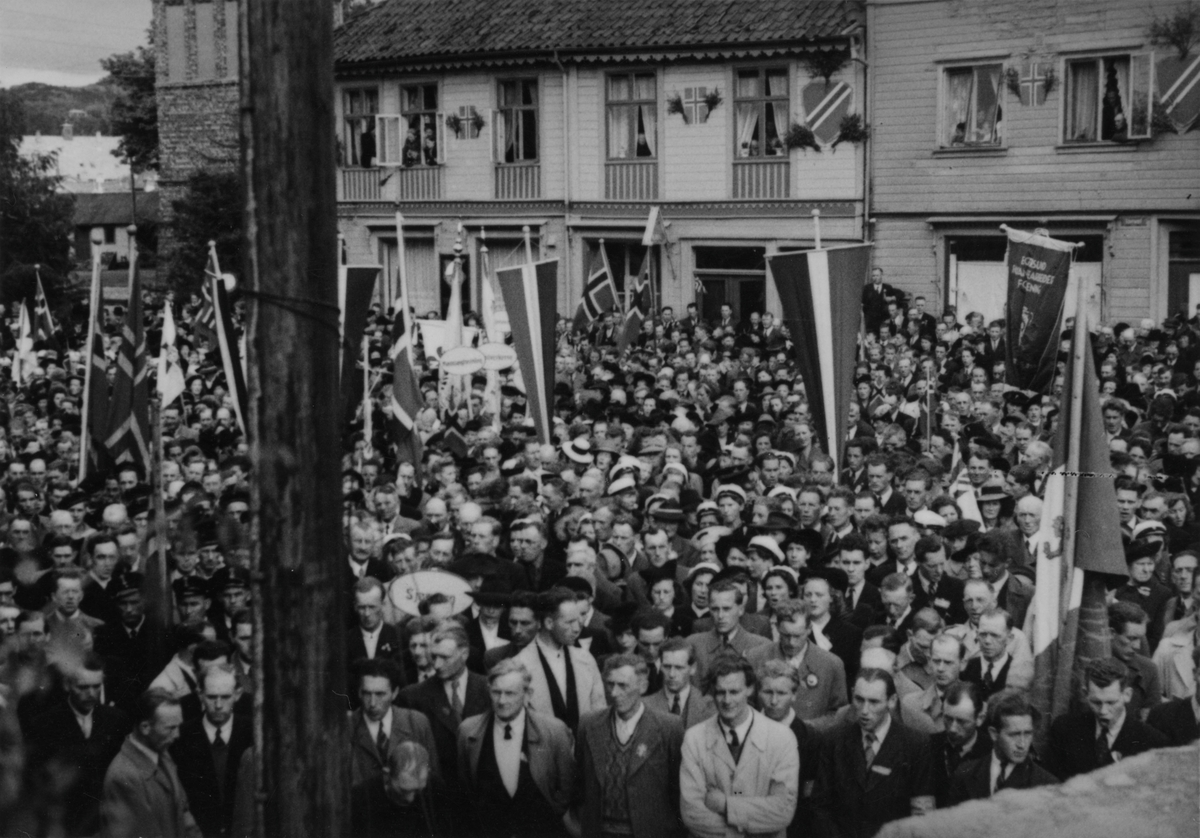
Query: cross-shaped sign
x=1033 y=84
x=695 y=110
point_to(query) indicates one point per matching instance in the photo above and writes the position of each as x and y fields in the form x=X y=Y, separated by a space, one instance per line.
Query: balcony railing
x=518 y=182
x=630 y=181
x=360 y=184
x=761 y=179
x=420 y=183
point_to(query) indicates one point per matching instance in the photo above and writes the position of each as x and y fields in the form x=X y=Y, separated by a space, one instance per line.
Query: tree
x=211 y=210
x=35 y=219
x=135 y=110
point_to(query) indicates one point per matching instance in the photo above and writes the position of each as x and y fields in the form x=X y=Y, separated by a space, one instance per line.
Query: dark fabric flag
x=94 y=458
x=599 y=294
x=406 y=394
x=356 y=286
x=44 y=329
x=1037 y=288
x=231 y=354
x=640 y=307
x=205 y=322
x=128 y=438
x=820 y=292
x=530 y=297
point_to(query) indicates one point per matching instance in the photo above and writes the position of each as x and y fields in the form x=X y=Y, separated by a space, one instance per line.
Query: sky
x=62 y=41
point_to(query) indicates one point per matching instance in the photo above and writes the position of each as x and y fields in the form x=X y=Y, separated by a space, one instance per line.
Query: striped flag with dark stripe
x=640 y=307
x=227 y=341
x=128 y=437
x=406 y=393
x=820 y=292
x=93 y=456
x=530 y=296
x=599 y=294
x=205 y=321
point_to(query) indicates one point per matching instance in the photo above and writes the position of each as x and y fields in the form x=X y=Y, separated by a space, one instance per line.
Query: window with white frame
x=972 y=106
x=359 y=108
x=1107 y=98
x=761 y=108
x=419 y=108
x=632 y=116
x=516 y=121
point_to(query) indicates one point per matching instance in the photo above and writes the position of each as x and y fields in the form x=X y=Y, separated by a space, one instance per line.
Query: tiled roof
x=100 y=208
x=426 y=30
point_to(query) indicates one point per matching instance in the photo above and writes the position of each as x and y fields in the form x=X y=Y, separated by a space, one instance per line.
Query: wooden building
x=576 y=118
x=1051 y=114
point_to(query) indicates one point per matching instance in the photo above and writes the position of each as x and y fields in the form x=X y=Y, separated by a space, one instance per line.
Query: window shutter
x=440 y=133
x=494 y=127
x=1141 y=96
x=389 y=140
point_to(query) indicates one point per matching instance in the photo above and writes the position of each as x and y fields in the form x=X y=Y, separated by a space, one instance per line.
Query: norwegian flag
x=640 y=308
x=206 y=318
x=406 y=394
x=128 y=437
x=600 y=293
x=43 y=323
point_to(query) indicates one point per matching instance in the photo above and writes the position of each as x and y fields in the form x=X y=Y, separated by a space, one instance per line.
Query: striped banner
x=1179 y=81
x=530 y=297
x=820 y=292
x=356 y=286
x=824 y=107
x=231 y=356
x=128 y=439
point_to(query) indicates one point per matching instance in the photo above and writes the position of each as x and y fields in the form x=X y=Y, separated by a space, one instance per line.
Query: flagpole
x=528 y=244
x=816 y=217
x=93 y=305
x=368 y=434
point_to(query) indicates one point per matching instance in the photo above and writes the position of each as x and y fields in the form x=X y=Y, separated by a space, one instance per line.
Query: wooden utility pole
x=291 y=341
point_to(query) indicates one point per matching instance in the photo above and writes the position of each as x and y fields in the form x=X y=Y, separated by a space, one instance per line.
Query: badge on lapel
x=641 y=750
x=811 y=680
x=941 y=602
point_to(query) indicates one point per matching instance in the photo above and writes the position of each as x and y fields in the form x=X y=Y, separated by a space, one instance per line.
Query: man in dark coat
x=875 y=300
x=79 y=737
x=371 y=638
x=964 y=737
x=1179 y=719
x=1010 y=763
x=134 y=648
x=1106 y=732
x=209 y=751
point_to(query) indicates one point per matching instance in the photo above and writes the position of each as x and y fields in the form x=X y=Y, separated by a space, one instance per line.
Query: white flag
x=170 y=374
x=24 y=360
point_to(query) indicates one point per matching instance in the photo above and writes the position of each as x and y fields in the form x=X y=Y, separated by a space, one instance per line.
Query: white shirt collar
x=375 y=633
x=518 y=727
x=210 y=730
x=626 y=727
x=741 y=729
x=1114 y=730
x=881 y=732
x=385 y=722
x=787 y=720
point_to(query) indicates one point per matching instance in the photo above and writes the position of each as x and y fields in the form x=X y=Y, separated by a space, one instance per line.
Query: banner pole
x=528 y=243
x=816 y=217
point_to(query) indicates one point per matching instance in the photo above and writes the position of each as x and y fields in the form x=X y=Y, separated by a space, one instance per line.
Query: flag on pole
x=641 y=307
x=656 y=230
x=356 y=287
x=1080 y=500
x=25 y=359
x=820 y=292
x=1038 y=267
x=170 y=382
x=227 y=342
x=406 y=392
x=43 y=322
x=206 y=318
x=599 y=294
x=95 y=391
x=128 y=439
x=530 y=296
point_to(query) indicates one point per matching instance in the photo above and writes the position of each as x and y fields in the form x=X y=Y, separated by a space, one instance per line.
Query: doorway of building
x=733 y=276
x=1183 y=271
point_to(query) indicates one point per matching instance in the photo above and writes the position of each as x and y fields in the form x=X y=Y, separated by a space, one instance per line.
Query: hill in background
x=47 y=107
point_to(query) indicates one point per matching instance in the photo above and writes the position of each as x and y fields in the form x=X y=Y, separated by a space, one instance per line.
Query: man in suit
x=963 y=739
x=78 y=738
x=651 y=629
x=924 y=711
x=898 y=596
x=778 y=684
x=98 y=600
x=455 y=694
x=209 y=751
x=934 y=588
x=65 y=622
x=1013 y=593
x=565 y=681
x=522 y=626
x=864 y=604
x=913 y=658
x=376 y=727
x=133 y=648
x=515 y=764
x=820 y=675
x=142 y=794
x=879 y=481
x=628 y=757
x=1179 y=718
x=361 y=560
x=741 y=771
x=1106 y=732
x=875 y=299
x=1127 y=625
x=371 y=638
x=874 y=771
x=995 y=669
x=677 y=696
x=726 y=605
x=1010 y=764
x=486 y=627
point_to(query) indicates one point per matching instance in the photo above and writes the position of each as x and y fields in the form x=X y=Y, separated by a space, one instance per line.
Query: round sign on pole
x=462 y=360
x=409 y=591
x=498 y=356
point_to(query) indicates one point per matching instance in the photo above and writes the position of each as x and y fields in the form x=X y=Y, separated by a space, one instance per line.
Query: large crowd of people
x=683 y=616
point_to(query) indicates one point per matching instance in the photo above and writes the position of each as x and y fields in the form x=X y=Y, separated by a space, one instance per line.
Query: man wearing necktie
x=1104 y=733
x=1010 y=763
x=740 y=771
x=678 y=696
x=210 y=749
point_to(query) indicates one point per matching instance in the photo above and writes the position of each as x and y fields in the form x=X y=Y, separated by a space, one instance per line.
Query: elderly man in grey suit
x=142 y=792
x=565 y=681
x=677 y=696
x=628 y=758
x=822 y=676
x=515 y=764
x=741 y=771
x=726 y=605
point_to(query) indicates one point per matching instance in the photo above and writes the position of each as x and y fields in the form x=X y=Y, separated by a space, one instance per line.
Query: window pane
x=1115 y=105
x=645 y=86
x=1139 y=96
x=619 y=131
x=508 y=94
x=959 y=84
x=618 y=88
x=529 y=93
x=1083 y=80
x=777 y=83
x=748 y=83
x=529 y=147
x=431 y=97
x=746 y=114
x=410 y=98
x=987 y=105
